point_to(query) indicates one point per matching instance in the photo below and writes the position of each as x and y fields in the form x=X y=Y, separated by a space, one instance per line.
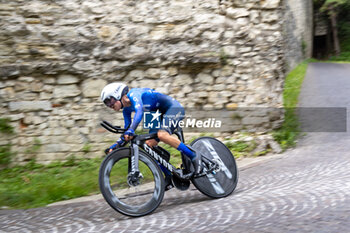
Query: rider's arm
x=127 y=117
x=121 y=140
x=136 y=101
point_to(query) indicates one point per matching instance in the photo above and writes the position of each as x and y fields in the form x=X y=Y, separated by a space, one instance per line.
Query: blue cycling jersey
x=146 y=99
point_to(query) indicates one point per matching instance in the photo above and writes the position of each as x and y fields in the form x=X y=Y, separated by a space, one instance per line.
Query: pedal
x=200 y=175
x=187 y=176
x=179 y=174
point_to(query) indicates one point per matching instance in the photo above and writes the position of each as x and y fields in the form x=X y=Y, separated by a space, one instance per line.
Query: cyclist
x=118 y=96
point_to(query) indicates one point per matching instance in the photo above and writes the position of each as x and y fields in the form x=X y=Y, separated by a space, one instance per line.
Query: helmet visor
x=109 y=102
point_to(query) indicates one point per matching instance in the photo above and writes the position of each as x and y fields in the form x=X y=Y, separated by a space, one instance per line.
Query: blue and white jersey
x=146 y=99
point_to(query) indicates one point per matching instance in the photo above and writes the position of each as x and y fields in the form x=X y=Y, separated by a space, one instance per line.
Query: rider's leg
x=151 y=142
x=171 y=119
x=165 y=137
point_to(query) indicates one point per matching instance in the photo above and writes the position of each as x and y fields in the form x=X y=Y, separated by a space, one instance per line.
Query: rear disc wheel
x=223 y=182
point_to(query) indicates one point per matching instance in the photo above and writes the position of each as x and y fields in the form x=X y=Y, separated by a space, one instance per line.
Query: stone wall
x=298 y=31
x=56 y=56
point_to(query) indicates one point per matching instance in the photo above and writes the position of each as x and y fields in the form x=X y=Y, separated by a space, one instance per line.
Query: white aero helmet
x=115 y=90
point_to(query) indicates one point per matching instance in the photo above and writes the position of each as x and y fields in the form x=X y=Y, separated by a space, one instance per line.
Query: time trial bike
x=132 y=182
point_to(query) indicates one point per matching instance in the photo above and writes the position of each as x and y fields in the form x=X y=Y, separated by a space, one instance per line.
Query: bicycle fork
x=134 y=175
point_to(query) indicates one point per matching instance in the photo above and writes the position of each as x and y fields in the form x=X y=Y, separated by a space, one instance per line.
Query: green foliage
x=241 y=148
x=35 y=185
x=338 y=10
x=33 y=165
x=223 y=57
x=86 y=148
x=292 y=85
x=261 y=153
x=343 y=57
x=344 y=35
x=5 y=126
x=5 y=150
x=335 y=2
x=236 y=116
x=329 y=5
x=35 y=147
x=303 y=46
x=287 y=134
x=5 y=155
x=71 y=161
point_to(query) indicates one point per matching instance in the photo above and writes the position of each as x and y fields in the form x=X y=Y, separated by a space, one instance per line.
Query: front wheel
x=222 y=182
x=131 y=198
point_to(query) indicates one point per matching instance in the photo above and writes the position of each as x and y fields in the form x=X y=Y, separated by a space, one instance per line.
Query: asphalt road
x=307 y=189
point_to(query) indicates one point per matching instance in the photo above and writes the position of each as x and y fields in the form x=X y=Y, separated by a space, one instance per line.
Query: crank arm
x=179 y=174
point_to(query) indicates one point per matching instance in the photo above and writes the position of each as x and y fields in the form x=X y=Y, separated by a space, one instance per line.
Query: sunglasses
x=110 y=102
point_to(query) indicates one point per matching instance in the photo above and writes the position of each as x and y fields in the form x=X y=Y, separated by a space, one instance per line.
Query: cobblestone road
x=306 y=190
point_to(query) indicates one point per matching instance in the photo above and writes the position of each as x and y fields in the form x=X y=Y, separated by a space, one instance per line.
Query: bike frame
x=140 y=142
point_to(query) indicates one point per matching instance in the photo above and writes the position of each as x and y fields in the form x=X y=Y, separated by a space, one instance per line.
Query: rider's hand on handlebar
x=119 y=143
x=111 y=148
x=129 y=134
x=128 y=138
x=108 y=150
